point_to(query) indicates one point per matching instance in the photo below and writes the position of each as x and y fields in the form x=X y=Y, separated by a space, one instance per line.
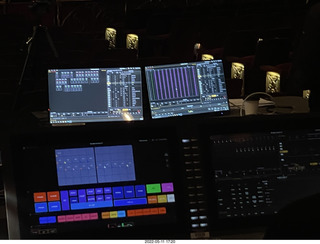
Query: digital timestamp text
x=160 y=241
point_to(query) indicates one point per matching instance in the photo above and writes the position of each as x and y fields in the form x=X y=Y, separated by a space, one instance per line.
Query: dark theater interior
x=159 y=120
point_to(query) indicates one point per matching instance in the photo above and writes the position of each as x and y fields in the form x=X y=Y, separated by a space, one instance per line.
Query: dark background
x=168 y=30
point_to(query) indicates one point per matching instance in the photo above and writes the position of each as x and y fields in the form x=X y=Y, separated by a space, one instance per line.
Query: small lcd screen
x=95 y=95
x=94 y=165
x=186 y=89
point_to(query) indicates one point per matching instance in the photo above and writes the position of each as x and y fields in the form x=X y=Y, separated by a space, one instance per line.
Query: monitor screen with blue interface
x=186 y=89
x=95 y=95
x=106 y=188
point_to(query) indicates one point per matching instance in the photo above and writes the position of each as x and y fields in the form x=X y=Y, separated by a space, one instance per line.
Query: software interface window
x=186 y=88
x=95 y=165
x=95 y=95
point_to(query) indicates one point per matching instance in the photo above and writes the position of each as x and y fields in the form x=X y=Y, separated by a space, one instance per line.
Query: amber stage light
x=110 y=35
x=272 y=82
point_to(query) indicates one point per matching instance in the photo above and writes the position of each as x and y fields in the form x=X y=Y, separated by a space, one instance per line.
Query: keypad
x=57 y=202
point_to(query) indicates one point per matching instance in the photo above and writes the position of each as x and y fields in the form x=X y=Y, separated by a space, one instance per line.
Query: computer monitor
x=114 y=183
x=95 y=95
x=186 y=89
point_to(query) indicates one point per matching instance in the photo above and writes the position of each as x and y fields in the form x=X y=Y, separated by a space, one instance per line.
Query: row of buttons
x=68 y=218
x=118 y=192
x=104 y=215
x=102 y=202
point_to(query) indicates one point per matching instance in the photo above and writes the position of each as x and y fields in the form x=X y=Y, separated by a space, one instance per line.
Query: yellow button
x=114 y=214
x=162 y=198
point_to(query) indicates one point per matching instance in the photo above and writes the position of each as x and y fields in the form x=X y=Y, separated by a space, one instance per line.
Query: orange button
x=105 y=215
x=146 y=211
x=53 y=196
x=139 y=212
x=162 y=210
x=154 y=211
x=152 y=199
x=131 y=213
x=40 y=197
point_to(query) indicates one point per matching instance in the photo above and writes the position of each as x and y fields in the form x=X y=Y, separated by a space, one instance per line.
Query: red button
x=53 y=196
x=40 y=197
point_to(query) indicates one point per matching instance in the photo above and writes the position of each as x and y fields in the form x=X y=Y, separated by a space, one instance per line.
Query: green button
x=153 y=188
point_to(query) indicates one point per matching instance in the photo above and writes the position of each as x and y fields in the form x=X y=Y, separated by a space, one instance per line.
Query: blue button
x=64 y=197
x=100 y=197
x=140 y=191
x=91 y=205
x=121 y=214
x=47 y=220
x=73 y=193
x=129 y=191
x=43 y=220
x=41 y=207
x=54 y=206
x=108 y=197
x=99 y=190
x=117 y=192
x=90 y=191
x=91 y=199
x=52 y=219
x=82 y=195
x=107 y=190
x=73 y=199
x=130 y=202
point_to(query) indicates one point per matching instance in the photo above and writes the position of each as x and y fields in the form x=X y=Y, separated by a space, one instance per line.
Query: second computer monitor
x=186 y=88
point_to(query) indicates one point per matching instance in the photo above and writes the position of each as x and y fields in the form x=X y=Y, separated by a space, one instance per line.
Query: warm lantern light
x=306 y=94
x=110 y=35
x=207 y=57
x=196 y=49
x=132 y=41
x=237 y=71
x=272 y=82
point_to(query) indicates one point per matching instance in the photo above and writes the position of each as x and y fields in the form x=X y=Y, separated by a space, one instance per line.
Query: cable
x=254 y=94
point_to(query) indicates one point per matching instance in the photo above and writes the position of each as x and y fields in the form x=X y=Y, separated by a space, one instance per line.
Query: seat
x=272 y=53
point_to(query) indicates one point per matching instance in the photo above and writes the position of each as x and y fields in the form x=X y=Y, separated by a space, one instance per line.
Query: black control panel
x=255 y=172
x=164 y=179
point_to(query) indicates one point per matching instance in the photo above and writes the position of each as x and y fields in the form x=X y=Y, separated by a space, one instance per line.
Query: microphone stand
x=30 y=44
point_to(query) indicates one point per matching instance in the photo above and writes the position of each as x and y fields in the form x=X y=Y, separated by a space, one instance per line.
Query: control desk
x=177 y=178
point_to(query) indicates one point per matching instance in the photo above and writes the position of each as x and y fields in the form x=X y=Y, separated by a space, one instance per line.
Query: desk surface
x=283 y=105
